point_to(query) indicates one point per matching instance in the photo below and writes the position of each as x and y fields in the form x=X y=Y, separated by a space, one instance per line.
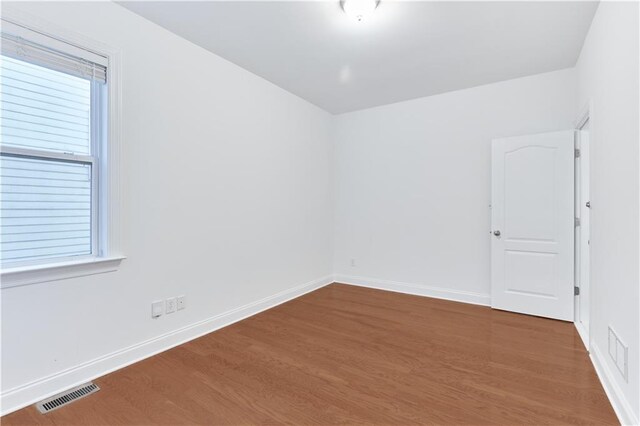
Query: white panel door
x=533 y=224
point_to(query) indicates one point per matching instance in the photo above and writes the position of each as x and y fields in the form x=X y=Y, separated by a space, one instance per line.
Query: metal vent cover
x=66 y=397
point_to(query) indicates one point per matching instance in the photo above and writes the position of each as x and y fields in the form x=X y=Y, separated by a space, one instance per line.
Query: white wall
x=226 y=199
x=413 y=183
x=607 y=72
x=229 y=185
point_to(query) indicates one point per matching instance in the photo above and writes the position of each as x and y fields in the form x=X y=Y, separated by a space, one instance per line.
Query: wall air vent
x=66 y=397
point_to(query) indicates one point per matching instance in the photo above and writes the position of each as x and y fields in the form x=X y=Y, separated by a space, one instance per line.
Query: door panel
x=528 y=202
x=532 y=210
x=530 y=273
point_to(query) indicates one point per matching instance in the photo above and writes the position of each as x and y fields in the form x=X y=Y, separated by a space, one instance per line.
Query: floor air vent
x=66 y=397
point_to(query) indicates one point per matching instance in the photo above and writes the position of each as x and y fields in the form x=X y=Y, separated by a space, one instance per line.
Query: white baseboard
x=620 y=404
x=16 y=398
x=582 y=332
x=417 y=289
x=30 y=393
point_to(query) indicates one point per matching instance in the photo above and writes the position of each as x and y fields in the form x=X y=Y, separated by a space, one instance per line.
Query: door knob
x=588 y=204
x=496 y=233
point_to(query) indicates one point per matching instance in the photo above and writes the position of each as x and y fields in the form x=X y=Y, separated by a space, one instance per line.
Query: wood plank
x=346 y=354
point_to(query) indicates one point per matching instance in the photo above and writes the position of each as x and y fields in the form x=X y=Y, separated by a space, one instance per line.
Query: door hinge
x=577 y=153
x=576 y=291
x=576 y=221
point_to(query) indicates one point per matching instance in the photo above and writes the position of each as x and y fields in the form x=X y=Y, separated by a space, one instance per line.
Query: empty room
x=319 y=212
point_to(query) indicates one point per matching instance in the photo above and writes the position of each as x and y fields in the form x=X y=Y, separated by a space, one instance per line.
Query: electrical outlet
x=182 y=302
x=171 y=305
x=353 y=263
x=156 y=309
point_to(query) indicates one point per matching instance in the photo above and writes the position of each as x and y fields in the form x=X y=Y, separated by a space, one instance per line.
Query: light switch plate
x=156 y=309
x=182 y=302
x=171 y=305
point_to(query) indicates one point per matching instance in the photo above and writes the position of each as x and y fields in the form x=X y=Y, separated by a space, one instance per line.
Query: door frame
x=585 y=116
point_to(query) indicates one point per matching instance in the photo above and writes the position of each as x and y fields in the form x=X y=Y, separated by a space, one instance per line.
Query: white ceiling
x=407 y=50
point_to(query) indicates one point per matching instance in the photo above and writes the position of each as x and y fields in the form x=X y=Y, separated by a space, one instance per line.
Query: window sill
x=26 y=275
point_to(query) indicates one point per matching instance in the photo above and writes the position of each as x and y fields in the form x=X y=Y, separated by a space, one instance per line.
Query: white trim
x=46 y=272
x=586 y=114
x=110 y=205
x=417 y=289
x=21 y=396
x=584 y=335
x=46 y=155
x=112 y=202
x=27 y=44
x=49 y=39
x=620 y=405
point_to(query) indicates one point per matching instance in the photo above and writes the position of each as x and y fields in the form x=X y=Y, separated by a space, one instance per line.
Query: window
x=52 y=140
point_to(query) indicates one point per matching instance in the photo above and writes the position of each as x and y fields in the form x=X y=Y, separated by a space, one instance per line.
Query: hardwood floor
x=350 y=355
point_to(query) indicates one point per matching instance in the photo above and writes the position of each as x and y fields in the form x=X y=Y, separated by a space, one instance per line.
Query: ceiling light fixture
x=359 y=9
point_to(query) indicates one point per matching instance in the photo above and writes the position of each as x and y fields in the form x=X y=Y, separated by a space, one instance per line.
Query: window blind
x=46 y=166
x=44 y=109
x=46 y=209
x=23 y=44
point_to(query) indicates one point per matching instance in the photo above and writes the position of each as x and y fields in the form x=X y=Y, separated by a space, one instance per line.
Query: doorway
x=582 y=232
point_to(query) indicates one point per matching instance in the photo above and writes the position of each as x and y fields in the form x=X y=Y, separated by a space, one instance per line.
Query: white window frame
x=94 y=162
x=107 y=252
